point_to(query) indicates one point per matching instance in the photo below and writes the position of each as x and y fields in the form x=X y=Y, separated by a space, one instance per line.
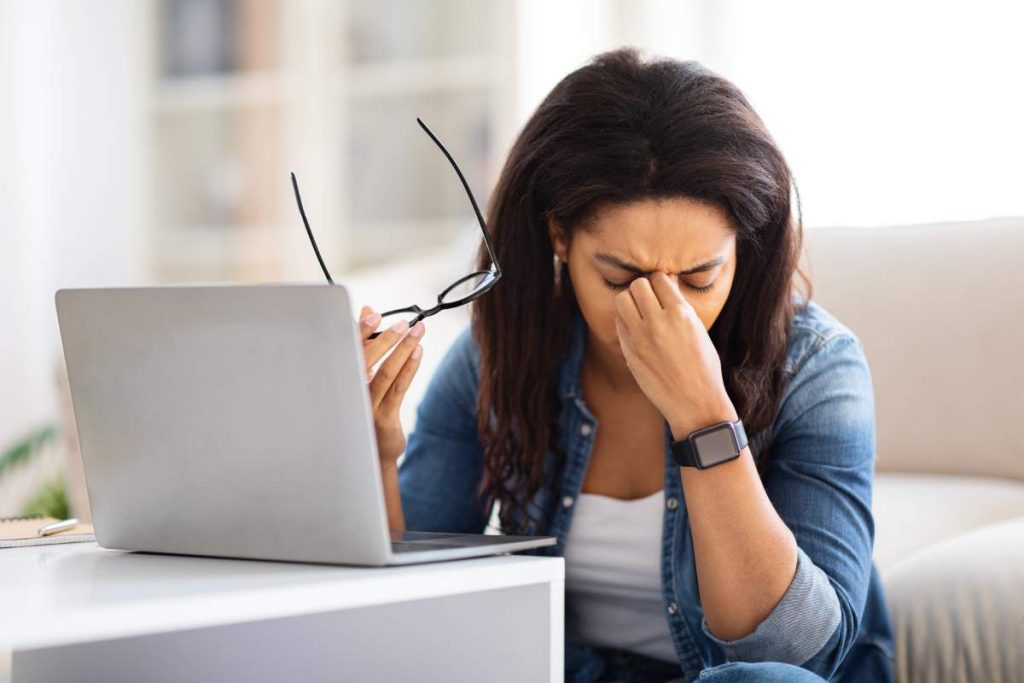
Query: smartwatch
x=710 y=446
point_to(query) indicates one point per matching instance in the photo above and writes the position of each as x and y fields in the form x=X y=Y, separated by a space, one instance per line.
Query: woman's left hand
x=671 y=355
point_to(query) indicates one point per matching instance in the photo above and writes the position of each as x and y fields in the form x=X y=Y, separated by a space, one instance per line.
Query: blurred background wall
x=149 y=141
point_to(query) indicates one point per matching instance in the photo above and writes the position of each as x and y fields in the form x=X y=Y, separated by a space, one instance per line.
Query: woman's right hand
x=391 y=380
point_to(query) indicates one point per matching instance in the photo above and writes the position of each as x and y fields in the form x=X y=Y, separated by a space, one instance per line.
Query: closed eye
x=619 y=286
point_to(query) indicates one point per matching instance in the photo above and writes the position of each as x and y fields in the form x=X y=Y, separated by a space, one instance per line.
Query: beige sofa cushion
x=940 y=311
x=958 y=608
x=913 y=511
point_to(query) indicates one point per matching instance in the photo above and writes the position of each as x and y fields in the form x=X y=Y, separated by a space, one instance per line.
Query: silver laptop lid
x=230 y=420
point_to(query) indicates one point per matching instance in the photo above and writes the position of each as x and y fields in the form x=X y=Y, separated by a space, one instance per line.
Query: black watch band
x=710 y=446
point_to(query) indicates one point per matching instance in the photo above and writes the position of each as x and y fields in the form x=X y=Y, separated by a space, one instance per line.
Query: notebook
x=16 y=532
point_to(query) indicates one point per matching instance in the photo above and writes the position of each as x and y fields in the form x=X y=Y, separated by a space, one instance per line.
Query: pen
x=57 y=527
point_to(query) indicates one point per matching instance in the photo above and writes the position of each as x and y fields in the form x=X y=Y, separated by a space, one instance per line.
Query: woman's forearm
x=744 y=553
x=393 y=498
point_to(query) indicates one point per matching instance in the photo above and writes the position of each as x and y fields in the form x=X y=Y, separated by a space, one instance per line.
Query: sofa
x=939 y=309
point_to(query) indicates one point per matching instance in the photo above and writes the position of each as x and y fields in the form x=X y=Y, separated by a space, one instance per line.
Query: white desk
x=80 y=612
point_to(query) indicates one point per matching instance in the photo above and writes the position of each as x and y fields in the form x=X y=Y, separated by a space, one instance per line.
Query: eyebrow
x=619 y=263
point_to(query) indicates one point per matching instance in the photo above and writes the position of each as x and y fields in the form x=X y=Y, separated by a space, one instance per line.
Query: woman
x=643 y=224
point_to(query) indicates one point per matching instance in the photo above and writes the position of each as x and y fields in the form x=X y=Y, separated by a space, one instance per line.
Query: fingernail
x=417 y=352
x=418 y=329
x=371 y=320
x=400 y=326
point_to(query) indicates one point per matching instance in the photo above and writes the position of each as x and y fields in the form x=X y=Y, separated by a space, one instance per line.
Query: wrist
x=683 y=427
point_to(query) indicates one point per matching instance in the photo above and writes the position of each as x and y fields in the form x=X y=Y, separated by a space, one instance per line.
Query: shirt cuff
x=797 y=628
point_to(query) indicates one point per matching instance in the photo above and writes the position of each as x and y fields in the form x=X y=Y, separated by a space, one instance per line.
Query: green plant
x=51 y=499
x=24 y=449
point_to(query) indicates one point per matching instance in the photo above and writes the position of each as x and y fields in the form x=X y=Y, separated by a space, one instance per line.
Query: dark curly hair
x=619 y=130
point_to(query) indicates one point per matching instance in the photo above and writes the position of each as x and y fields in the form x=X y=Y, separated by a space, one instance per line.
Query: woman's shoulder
x=829 y=383
x=825 y=364
x=815 y=330
x=457 y=374
x=448 y=402
x=463 y=354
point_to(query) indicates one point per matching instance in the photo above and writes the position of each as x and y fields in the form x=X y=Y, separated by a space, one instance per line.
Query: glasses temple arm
x=472 y=199
x=302 y=212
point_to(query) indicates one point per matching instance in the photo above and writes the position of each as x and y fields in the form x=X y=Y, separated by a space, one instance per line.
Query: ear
x=559 y=243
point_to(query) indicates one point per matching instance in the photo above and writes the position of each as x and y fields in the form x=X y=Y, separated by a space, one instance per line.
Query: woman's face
x=635 y=240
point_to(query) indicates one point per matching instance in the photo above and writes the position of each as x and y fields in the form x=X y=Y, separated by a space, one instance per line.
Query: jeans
x=629 y=667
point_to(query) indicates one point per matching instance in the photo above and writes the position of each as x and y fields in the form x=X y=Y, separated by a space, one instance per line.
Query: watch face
x=717 y=445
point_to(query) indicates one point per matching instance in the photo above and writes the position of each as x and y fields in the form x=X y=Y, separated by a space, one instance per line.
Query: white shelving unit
x=244 y=92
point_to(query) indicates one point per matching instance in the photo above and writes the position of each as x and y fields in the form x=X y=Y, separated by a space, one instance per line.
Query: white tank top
x=613 y=575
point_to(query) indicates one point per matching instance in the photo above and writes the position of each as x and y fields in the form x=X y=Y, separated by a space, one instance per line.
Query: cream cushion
x=940 y=311
x=958 y=608
x=914 y=511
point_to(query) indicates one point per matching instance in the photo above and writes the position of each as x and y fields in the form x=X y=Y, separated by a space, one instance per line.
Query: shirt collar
x=569 y=377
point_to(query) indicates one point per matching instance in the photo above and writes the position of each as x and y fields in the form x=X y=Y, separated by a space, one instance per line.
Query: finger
x=646 y=300
x=385 y=375
x=666 y=290
x=392 y=400
x=625 y=305
x=389 y=368
x=625 y=337
x=368 y=323
x=375 y=349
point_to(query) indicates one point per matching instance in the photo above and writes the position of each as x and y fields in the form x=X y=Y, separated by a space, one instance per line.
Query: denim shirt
x=832 y=619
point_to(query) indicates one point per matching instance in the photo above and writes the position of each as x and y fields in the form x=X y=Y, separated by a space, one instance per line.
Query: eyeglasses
x=460 y=292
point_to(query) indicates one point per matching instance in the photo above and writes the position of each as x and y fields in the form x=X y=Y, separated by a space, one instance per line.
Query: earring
x=558 y=271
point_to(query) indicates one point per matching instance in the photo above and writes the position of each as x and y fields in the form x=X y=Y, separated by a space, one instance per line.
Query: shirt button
x=672 y=608
x=567 y=501
x=672 y=503
x=585 y=429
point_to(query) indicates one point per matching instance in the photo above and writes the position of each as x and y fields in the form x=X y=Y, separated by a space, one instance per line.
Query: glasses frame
x=491 y=276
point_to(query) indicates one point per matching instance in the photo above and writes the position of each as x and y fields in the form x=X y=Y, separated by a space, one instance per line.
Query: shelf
x=336 y=100
x=433 y=76
x=386 y=79
x=212 y=245
x=220 y=91
x=216 y=244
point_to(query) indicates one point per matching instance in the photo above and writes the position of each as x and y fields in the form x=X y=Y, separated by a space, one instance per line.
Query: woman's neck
x=608 y=368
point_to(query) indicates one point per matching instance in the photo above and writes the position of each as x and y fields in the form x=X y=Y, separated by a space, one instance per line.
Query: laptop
x=235 y=421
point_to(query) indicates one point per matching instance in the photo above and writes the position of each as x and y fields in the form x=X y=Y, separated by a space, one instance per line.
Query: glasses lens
x=467 y=287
